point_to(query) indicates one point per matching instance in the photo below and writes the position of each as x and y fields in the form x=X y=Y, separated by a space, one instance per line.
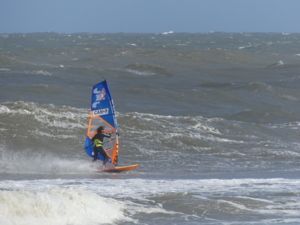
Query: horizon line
x=171 y=32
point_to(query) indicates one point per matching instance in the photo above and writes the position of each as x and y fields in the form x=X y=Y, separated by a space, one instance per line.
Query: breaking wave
x=110 y=201
x=61 y=206
x=41 y=161
x=39 y=138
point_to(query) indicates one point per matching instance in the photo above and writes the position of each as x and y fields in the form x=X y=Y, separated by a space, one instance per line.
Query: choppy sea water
x=213 y=119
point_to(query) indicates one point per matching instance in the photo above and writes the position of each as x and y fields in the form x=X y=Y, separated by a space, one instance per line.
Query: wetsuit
x=98 y=146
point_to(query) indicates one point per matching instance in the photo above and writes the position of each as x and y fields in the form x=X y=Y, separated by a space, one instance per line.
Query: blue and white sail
x=102 y=113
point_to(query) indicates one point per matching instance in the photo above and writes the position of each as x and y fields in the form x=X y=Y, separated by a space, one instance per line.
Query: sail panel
x=102 y=113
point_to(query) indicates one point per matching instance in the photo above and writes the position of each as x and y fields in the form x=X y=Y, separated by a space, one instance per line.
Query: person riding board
x=98 y=144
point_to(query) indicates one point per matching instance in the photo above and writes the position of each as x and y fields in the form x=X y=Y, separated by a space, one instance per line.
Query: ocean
x=212 y=118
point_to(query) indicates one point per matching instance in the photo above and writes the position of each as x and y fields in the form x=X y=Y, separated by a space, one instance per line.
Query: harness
x=98 y=143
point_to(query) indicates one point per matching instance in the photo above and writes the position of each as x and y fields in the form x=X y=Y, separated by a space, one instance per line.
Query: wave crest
x=60 y=206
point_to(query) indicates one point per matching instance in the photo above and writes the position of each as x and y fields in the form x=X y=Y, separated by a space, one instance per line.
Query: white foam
x=49 y=115
x=267 y=196
x=149 y=187
x=280 y=63
x=4 y=109
x=59 y=206
x=42 y=72
x=179 y=127
x=38 y=72
x=142 y=188
x=5 y=69
x=246 y=46
x=167 y=32
x=256 y=199
x=235 y=205
x=43 y=162
x=56 y=136
x=289 y=97
x=140 y=73
x=132 y=44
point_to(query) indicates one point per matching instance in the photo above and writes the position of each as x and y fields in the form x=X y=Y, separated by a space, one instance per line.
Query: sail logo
x=101 y=112
x=100 y=94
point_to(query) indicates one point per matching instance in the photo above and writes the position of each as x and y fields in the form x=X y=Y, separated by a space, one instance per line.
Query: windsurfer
x=98 y=144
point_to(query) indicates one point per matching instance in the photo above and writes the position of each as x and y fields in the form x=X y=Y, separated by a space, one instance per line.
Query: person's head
x=100 y=129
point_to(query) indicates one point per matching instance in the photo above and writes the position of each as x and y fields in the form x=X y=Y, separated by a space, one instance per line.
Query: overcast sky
x=102 y=16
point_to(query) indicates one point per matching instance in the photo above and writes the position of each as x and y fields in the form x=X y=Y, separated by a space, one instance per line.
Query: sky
x=149 y=16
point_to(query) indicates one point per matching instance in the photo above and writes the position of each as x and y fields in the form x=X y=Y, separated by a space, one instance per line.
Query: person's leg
x=96 y=151
x=105 y=156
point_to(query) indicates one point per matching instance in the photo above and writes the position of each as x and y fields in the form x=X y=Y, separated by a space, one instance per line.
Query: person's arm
x=107 y=136
x=93 y=139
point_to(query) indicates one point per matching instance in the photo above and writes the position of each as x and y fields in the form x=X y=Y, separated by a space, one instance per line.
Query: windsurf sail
x=102 y=113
